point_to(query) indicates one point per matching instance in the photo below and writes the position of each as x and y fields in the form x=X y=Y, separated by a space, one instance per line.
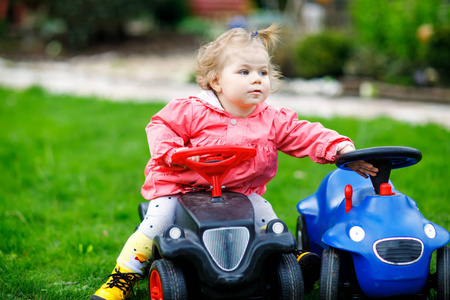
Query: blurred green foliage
x=198 y=27
x=403 y=42
x=170 y=12
x=323 y=54
x=395 y=32
x=439 y=53
x=398 y=41
x=89 y=21
x=391 y=26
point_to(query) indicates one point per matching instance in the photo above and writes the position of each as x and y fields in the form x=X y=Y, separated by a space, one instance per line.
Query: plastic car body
x=373 y=240
x=213 y=250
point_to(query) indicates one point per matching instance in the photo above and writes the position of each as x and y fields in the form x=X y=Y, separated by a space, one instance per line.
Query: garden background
x=71 y=166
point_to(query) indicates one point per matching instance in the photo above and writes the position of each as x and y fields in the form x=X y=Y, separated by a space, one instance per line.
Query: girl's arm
x=300 y=138
x=169 y=130
x=322 y=145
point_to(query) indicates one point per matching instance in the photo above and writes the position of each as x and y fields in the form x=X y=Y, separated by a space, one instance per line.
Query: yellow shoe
x=119 y=286
x=310 y=263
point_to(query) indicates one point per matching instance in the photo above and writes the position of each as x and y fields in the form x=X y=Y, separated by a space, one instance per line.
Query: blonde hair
x=211 y=57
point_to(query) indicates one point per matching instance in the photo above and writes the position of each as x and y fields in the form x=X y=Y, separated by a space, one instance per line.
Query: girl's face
x=244 y=81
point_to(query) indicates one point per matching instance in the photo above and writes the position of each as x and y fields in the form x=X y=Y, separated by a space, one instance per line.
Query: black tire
x=302 y=234
x=167 y=279
x=289 y=278
x=329 y=275
x=443 y=273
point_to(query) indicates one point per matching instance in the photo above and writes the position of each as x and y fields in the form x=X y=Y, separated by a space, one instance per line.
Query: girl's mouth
x=255 y=92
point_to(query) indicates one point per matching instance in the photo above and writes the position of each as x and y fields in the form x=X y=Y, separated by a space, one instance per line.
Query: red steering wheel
x=215 y=162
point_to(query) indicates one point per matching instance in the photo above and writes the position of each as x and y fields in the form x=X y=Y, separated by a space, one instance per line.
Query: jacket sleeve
x=169 y=129
x=302 y=138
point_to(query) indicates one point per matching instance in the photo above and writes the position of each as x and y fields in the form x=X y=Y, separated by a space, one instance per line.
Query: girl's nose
x=256 y=78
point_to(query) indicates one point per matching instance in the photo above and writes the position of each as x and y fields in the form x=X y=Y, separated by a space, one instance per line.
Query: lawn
x=71 y=170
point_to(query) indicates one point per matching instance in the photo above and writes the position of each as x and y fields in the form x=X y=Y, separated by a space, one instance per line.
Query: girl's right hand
x=194 y=158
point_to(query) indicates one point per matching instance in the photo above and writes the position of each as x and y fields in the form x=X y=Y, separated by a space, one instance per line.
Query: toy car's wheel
x=302 y=234
x=289 y=278
x=443 y=273
x=329 y=275
x=167 y=281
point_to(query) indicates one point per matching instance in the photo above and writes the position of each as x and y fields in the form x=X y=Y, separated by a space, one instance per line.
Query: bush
x=366 y=61
x=323 y=54
x=90 y=21
x=438 y=53
x=170 y=12
x=391 y=29
x=391 y=26
x=198 y=27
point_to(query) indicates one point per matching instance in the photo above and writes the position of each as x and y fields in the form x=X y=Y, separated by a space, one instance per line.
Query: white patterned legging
x=161 y=214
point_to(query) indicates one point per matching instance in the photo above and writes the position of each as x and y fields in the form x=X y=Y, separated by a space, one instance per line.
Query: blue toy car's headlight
x=430 y=231
x=356 y=233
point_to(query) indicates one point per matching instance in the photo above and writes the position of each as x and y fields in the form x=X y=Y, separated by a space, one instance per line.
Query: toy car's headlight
x=356 y=233
x=175 y=232
x=430 y=231
x=276 y=226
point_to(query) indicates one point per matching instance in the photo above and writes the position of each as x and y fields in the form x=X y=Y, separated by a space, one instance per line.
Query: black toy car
x=213 y=250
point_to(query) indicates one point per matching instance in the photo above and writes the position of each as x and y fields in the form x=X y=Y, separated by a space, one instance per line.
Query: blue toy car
x=373 y=240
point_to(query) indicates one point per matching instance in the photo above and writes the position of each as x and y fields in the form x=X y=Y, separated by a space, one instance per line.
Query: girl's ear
x=215 y=84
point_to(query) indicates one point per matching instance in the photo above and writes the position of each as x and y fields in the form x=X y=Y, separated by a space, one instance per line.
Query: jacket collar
x=209 y=97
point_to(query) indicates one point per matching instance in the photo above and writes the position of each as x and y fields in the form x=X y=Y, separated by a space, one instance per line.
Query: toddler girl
x=236 y=74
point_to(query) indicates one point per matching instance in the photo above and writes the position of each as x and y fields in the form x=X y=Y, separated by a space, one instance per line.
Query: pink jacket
x=193 y=122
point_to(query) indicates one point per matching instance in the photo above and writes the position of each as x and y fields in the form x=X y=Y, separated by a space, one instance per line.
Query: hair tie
x=254 y=33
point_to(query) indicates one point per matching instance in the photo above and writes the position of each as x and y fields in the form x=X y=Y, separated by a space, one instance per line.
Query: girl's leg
x=137 y=251
x=135 y=256
x=263 y=210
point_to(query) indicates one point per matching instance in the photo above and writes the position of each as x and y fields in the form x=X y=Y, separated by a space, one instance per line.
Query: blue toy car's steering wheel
x=400 y=157
x=384 y=158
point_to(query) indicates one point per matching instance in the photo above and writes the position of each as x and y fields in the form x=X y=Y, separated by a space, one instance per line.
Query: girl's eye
x=243 y=72
x=263 y=73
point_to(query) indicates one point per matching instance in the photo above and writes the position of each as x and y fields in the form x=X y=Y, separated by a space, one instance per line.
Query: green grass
x=71 y=170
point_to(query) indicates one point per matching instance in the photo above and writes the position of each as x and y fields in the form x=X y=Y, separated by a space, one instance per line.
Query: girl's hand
x=361 y=167
x=194 y=158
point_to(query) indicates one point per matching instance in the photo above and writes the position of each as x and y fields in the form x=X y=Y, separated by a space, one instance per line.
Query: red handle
x=348 y=197
x=215 y=162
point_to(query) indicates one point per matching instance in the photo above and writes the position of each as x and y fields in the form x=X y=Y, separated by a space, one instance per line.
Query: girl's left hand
x=361 y=167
